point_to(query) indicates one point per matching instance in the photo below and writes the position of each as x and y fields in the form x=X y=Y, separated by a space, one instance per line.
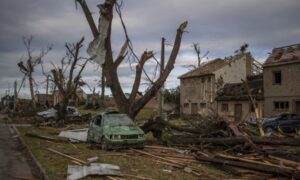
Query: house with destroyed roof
x=282 y=80
x=198 y=87
x=234 y=102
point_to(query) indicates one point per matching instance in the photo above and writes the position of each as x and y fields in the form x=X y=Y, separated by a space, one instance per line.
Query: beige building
x=198 y=87
x=233 y=100
x=282 y=81
x=44 y=99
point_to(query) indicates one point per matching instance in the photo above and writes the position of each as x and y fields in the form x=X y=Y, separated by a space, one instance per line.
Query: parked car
x=51 y=114
x=114 y=130
x=287 y=122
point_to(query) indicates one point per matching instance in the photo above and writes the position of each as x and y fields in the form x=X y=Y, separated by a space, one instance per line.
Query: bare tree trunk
x=30 y=79
x=102 y=84
x=131 y=105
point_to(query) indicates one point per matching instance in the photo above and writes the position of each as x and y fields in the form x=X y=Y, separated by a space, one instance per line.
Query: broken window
x=281 y=105
x=277 y=77
x=251 y=107
x=202 y=105
x=224 y=107
x=186 y=105
x=209 y=79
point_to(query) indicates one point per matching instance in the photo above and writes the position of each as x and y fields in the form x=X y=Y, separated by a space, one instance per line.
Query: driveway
x=13 y=162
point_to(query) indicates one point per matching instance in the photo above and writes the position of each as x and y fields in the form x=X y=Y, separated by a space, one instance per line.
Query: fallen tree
x=192 y=139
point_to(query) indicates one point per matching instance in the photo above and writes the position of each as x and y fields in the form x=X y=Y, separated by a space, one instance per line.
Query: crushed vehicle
x=114 y=130
x=51 y=114
x=287 y=122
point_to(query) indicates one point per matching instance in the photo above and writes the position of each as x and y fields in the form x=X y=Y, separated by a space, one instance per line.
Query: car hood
x=124 y=130
x=266 y=120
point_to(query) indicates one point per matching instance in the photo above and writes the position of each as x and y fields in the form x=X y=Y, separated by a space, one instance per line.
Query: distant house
x=282 y=80
x=44 y=99
x=79 y=98
x=198 y=87
x=233 y=100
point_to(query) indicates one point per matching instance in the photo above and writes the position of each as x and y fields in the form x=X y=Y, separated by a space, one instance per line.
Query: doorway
x=238 y=112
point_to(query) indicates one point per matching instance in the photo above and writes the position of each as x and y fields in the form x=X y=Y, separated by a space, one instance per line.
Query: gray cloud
x=219 y=26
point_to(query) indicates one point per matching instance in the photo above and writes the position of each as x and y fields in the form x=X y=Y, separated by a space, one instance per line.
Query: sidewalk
x=13 y=163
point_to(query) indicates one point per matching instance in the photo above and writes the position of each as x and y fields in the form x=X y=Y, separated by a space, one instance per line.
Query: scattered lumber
x=66 y=156
x=34 y=135
x=263 y=167
x=183 y=139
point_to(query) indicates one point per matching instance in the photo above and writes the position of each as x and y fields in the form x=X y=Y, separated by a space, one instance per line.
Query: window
x=251 y=107
x=277 y=77
x=98 y=120
x=203 y=80
x=224 y=107
x=281 y=105
x=202 y=105
x=208 y=79
x=186 y=105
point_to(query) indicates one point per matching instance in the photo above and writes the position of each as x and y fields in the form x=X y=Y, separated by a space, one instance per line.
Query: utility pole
x=47 y=86
x=162 y=67
x=15 y=95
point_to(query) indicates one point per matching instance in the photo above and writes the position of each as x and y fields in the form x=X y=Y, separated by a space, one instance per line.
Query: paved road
x=13 y=164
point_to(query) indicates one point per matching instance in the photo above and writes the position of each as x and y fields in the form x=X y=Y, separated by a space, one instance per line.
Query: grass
x=56 y=166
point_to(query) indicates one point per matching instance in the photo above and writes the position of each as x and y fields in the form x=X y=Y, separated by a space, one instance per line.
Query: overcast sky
x=219 y=26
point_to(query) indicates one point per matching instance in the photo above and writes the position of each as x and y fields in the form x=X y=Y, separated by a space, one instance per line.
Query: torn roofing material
x=77 y=172
x=284 y=55
x=74 y=135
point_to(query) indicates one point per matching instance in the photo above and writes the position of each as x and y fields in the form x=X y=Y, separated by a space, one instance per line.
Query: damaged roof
x=238 y=91
x=284 y=55
x=210 y=67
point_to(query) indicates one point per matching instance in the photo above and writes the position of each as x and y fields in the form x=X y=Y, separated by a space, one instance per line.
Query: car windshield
x=117 y=120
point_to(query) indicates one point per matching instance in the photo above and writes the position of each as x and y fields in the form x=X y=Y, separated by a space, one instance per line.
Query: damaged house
x=234 y=103
x=198 y=87
x=282 y=81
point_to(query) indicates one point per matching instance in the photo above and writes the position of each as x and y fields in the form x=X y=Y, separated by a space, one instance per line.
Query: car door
x=96 y=129
x=286 y=123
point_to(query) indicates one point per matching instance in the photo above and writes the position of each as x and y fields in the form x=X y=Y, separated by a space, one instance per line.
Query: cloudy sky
x=219 y=26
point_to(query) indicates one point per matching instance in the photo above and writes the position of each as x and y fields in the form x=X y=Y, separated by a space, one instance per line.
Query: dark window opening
x=203 y=105
x=224 y=107
x=203 y=80
x=281 y=105
x=277 y=77
x=186 y=105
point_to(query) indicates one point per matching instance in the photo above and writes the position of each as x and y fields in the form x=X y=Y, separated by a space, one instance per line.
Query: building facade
x=198 y=87
x=282 y=81
x=234 y=102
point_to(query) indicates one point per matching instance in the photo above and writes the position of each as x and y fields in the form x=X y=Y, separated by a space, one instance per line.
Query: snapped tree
x=67 y=75
x=27 y=66
x=101 y=47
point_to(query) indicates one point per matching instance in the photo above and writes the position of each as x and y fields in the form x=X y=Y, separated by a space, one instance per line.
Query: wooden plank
x=66 y=156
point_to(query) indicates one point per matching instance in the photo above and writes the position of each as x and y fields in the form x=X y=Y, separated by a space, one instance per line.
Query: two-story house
x=282 y=81
x=198 y=87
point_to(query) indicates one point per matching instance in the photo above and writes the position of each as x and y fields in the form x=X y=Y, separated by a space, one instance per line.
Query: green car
x=114 y=131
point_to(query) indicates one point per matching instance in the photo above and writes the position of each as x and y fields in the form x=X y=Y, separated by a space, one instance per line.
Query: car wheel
x=103 y=144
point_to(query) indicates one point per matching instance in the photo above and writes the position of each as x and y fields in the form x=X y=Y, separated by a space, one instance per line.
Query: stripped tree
x=101 y=47
x=27 y=66
x=67 y=75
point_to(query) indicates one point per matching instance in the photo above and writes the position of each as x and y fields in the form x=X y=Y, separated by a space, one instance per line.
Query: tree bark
x=130 y=106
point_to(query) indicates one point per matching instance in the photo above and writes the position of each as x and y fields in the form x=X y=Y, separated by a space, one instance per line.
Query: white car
x=51 y=114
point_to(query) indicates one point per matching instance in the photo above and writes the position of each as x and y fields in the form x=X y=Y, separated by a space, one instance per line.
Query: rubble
x=77 y=172
x=75 y=135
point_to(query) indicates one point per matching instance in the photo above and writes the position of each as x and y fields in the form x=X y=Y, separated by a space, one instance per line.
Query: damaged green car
x=114 y=130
